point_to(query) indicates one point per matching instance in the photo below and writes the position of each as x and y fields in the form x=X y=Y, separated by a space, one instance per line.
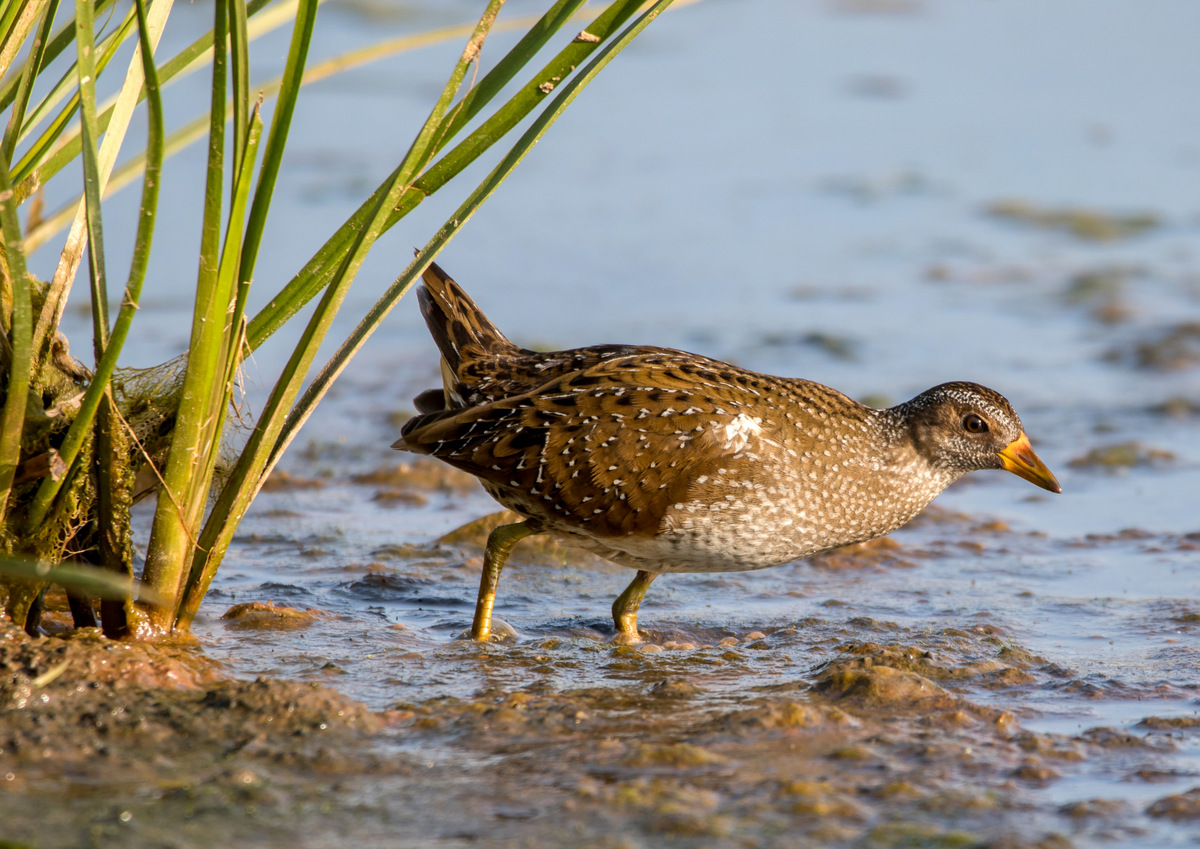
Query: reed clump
x=80 y=444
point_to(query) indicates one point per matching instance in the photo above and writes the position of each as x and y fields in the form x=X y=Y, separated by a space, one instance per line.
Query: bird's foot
x=498 y=632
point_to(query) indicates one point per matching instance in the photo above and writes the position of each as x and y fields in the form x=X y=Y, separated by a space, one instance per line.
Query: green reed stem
x=59 y=145
x=33 y=66
x=247 y=475
x=20 y=338
x=319 y=270
x=81 y=426
x=289 y=92
x=173 y=531
x=59 y=42
x=86 y=44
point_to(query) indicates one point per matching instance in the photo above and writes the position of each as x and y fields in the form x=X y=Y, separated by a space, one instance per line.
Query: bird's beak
x=1019 y=459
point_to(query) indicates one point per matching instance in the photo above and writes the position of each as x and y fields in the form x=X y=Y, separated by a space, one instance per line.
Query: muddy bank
x=899 y=740
x=115 y=744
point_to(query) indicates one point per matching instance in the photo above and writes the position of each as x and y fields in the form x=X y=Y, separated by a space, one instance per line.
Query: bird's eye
x=974 y=424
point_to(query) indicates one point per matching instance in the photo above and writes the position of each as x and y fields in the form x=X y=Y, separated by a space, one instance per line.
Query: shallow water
x=800 y=188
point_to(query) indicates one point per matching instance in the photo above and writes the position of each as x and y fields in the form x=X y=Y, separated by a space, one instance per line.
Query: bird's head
x=965 y=427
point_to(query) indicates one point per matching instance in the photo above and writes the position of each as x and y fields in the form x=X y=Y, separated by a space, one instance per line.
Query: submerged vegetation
x=80 y=444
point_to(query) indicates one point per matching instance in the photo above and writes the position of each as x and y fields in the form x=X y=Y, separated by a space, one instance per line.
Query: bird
x=664 y=461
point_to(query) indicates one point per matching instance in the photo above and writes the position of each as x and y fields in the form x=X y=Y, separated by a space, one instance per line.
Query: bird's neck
x=902 y=454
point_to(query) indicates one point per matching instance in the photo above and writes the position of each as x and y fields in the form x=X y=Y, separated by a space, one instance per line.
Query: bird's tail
x=468 y=341
x=458 y=326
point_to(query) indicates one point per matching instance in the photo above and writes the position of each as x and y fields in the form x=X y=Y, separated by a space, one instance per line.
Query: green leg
x=625 y=608
x=499 y=544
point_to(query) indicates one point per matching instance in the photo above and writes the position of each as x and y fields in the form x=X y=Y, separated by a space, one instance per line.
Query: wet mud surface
x=134 y=745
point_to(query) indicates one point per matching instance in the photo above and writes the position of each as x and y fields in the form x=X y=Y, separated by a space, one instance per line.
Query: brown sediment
x=108 y=743
x=880 y=553
x=879 y=744
x=266 y=616
x=89 y=660
x=1172 y=348
x=1096 y=808
x=1089 y=224
x=419 y=475
x=1170 y=723
x=399 y=498
x=851 y=767
x=1177 y=407
x=1122 y=455
x=1180 y=806
x=1103 y=292
x=281 y=481
x=880 y=685
x=936 y=515
x=849 y=730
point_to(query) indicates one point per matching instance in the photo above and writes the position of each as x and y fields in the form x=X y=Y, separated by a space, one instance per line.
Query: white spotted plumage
x=666 y=461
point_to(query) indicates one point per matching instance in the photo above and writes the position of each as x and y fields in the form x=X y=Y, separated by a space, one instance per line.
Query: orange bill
x=1019 y=459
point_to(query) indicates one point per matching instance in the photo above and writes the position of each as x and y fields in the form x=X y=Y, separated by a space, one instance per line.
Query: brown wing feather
x=587 y=444
x=509 y=374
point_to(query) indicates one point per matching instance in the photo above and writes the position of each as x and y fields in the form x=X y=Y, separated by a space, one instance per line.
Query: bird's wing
x=613 y=445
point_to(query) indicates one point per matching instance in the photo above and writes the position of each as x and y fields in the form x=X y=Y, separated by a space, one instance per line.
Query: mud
x=1123 y=455
x=1082 y=223
x=132 y=744
x=1172 y=348
x=268 y=615
x=892 y=743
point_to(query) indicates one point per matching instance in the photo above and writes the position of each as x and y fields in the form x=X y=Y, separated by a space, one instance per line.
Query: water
x=742 y=179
